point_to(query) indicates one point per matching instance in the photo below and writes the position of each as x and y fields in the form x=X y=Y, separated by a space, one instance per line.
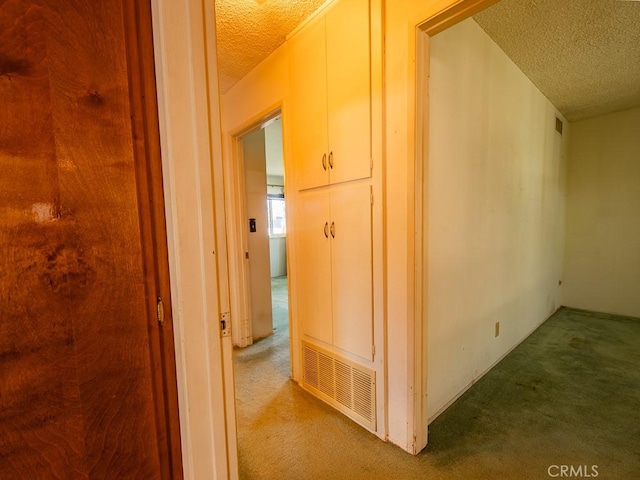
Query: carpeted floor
x=567 y=398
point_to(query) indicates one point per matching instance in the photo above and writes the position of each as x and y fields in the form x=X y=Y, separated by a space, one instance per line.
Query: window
x=276 y=212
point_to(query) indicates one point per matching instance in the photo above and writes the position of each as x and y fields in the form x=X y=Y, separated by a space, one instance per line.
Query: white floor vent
x=347 y=386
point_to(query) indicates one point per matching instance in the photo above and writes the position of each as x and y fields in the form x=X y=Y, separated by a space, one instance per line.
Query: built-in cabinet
x=331 y=96
x=330 y=124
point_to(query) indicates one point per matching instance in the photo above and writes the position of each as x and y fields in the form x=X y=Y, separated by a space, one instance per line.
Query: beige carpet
x=568 y=396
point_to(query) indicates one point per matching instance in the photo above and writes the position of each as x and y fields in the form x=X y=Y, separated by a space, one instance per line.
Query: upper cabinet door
x=308 y=107
x=349 y=90
x=330 y=100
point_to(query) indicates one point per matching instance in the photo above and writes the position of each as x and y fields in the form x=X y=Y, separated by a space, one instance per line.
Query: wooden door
x=313 y=279
x=87 y=375
x=308 y=106
x=349 y=90
x=352 y=269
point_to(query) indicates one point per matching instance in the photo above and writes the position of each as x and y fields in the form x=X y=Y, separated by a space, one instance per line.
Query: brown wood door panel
x=81 y=394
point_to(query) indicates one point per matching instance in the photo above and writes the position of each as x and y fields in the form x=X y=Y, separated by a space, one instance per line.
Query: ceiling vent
x=343 y=384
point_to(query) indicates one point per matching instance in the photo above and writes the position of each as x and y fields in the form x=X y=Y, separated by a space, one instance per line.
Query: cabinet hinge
x=373 y=352
x=371 y=198
x=371 y=165
x=160 y=311
x=225 y=325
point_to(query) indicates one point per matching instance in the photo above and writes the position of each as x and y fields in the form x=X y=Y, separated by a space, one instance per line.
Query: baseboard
x=597 y=313
x=488 y=369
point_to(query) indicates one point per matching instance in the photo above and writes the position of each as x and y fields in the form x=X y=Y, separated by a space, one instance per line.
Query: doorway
x=262 y=368
x=263 y=232
x=277 y=228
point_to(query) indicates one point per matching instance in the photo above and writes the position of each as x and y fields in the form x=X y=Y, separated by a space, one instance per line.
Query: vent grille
x=326 y=379
x=344 y=384
x=558 y=125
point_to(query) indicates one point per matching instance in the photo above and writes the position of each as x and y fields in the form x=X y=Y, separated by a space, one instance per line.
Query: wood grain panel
x=148 y=160
x=39 y=397
x=78 y=396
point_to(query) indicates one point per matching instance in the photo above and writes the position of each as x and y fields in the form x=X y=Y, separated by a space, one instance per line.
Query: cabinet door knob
x=333 y=230
x=324 y=162
x=331 y=160
x=326 y=228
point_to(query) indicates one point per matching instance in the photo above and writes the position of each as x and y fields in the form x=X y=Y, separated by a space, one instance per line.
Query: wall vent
x=342 y=383
x=558 y=125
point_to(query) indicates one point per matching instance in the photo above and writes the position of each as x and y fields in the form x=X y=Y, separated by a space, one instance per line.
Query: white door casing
x=189 y=115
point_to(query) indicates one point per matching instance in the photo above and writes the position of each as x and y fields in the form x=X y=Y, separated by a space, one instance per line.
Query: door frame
x=237 y=237
x=149 y=184
x=190 y=139
x=419 y=50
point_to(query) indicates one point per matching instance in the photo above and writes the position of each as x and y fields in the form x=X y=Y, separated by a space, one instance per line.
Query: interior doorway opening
x=263 y=230
x=262 y=367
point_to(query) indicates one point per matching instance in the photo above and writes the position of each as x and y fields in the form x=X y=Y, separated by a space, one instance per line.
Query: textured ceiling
x=249 y=30
x=584 y=55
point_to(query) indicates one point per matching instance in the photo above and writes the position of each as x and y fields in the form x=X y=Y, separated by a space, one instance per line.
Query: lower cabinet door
x=351 y=269
x=314 y=264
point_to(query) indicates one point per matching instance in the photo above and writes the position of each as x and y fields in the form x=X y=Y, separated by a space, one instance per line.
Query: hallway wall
x=263 y=90
x=496 y=209
x=275 y=176
x=258 y=241
x=602 y=271
x=257 y=95
x=278 y=253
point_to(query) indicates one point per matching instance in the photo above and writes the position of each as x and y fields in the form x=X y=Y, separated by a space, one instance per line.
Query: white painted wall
x=258 y=93
x=405 y=357
x=254 y=98
x=278 y=253
x=496 y=209
x=274 y=179
x=602 y=270
x=275 y=176
x=255 y=174
x=275 y=152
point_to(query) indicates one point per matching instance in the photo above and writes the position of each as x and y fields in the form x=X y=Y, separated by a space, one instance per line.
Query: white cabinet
x=308 y=105
x=335 y=267
x=330 y=101
x=314 y=265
